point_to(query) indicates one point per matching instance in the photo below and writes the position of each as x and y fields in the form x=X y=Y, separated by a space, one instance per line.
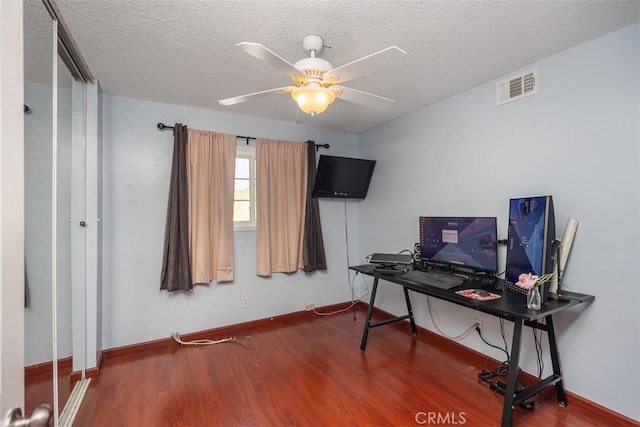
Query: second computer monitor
x=532 y=230
x=469 y=242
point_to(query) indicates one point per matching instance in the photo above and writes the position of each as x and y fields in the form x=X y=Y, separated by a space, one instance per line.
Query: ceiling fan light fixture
x=313 y=99
x=317 y=82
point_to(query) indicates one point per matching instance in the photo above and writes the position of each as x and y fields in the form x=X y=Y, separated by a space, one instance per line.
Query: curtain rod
x=162 y=126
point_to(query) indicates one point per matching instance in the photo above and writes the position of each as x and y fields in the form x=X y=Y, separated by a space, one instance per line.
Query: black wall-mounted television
x=343 y=177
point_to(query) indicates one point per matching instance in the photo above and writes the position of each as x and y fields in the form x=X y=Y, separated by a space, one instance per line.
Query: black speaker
x=417 y=258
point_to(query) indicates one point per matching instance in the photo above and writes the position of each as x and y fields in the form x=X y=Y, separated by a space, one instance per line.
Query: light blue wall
x=137 y=162
x=578 y=140
x=461 y=156
x=38 y=167
x=37 y=171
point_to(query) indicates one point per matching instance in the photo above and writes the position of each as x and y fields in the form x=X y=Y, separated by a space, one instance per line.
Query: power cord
x=456 y=338
x=342 y=310
x=176 y=337
x=354 y=298
x=346 y=237
x=354 y=301
x=537 y=339
x=504 y=340
x=502 y=370
x=484 y=376
x=364 y=282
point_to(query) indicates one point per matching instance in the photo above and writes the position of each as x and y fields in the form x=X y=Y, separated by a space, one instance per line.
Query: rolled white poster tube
x=561 y=261
x=567 y=242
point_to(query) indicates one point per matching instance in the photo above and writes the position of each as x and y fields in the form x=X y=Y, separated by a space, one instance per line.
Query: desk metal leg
x=512 y=375
x=414 y=331
x=555 y=361
x=367 y=323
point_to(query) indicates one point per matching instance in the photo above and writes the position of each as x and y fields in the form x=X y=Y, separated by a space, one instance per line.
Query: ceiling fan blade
x=255 y=95
x=264 y=54
x=378 y=61
x=364 y=98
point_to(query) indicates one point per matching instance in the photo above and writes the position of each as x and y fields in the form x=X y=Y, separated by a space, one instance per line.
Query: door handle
x=40 y=417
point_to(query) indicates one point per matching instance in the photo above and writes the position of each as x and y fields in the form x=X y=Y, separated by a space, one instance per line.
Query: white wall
x=137 y=163
x=11 y=207
x=576 y=140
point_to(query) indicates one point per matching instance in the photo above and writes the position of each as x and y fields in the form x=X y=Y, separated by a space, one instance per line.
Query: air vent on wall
x=517 y=87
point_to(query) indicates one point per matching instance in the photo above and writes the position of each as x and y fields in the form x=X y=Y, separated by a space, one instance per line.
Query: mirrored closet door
x=38 y=154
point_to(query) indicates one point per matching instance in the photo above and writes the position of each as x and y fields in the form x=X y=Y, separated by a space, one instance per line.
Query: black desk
x=511 y=307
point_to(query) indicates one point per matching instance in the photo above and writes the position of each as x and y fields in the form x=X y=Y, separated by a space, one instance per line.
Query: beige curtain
x=211 y=171
x=281 y=204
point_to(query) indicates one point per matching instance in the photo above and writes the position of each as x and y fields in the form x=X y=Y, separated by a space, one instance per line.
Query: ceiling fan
x=318 y=83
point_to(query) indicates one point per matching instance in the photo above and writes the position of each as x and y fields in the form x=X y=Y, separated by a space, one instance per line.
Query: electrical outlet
x=245 y=302
x=478 y=324
x=310 y=307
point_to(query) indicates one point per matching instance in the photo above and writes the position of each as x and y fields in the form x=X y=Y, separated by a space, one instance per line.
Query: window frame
x=244 y=151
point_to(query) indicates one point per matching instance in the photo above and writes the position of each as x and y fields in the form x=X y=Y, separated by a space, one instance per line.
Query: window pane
x=242 y=168
x=242 y=191
x=242 y=184
x=241 y=211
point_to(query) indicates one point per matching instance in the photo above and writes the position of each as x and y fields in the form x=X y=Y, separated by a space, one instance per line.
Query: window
x=244 y=194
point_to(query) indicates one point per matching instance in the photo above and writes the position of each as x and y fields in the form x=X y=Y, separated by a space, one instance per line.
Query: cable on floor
x=342 y=310
x=176 y=337
x=502 y=370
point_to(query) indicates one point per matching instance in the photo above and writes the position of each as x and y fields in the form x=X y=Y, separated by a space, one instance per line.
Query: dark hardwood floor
x=309 y=370
x=39 y=385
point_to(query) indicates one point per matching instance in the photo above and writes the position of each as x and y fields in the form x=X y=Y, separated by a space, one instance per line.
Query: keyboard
x=433 y=278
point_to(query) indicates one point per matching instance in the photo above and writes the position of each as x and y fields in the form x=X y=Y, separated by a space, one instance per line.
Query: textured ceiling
x=184 y=52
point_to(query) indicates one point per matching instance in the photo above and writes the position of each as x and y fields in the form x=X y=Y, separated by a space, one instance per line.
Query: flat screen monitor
x=469 y=242
x=531 y=233
x=343 y=177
